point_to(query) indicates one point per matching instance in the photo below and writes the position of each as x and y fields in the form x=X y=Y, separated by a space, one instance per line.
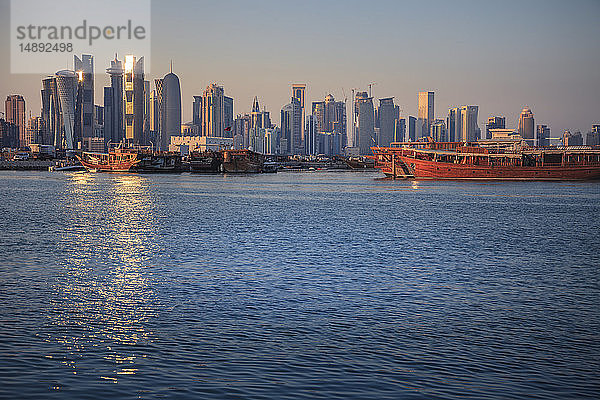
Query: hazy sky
x=501 y=56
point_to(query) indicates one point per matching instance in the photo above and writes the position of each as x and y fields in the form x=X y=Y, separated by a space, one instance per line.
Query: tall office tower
x=133 y=87
x=388 y=115
x=412 y=127
x=99 y=122
x=147 y=135
x=259 y=119
x=197 y=112
x=213 y=111
x=543 y=135
x=438 y=131
x=330 y=117
x=171 y=109
x=299 y=92
x=453 y=125
x=365 y=122
x=9 y=134
x=310 y=134
x=14 y=107
x=228 y=116
x=113 y=104
x=67 y=84
x=35 y=131
x=241 y=130
x=51 y=110
x=84 y=67
x=527 y=126
x=572 y=139
x=400 y=131
x=469 y=127
x=592 y=137
x=425 y=111
x=291 y=129
x=494 y=122
x=158 y=112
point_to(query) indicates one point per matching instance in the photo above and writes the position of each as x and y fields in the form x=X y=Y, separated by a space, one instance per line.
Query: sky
x=502 y=56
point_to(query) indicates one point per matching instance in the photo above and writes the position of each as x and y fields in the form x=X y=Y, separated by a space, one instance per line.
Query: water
x=297 y=285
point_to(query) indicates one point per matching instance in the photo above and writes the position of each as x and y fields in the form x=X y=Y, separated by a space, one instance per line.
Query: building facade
x=365 y=122
x=213 y=111
x=542 y=135
x=14 y=108
x=425 y=111
x=388 y=114
x=527 y=126
x=171 y=109
x=84 y=67
x=133 y=87
x=494 y=122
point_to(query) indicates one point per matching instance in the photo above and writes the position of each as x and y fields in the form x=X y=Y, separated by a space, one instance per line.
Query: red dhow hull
x=488 y=161
x=423 y=169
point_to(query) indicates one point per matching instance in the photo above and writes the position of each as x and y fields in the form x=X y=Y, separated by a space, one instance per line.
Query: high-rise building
x=213 y=112
x=400 y=131
x=542 y=135
x=365 y=122
x=241 y=131
x=412 y=127
x=14 y=108
x=291 y=129
x=329 y=117
x=527 y=126
x=572 y=139
x=425 y=111
x=494 y=122
x=171 y=109
x=84 y=67
x=197 y=112
x=51 y=111
x=67 y=84
x=35 y=131
x=438 y=131
x=596 y=128
x=9 y=134
x=388 y=117
x=228 y=116
x=461 y=124
x=133 y=87
x=113 y=104
x=310 y=134
x=299 y=92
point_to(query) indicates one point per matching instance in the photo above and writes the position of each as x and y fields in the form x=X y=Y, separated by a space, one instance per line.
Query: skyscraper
x=299 y=92
x=133 y=86
x=310 y=134
x=84 y=67
x=35 y=131
x=461 y=124
x=67 y=84
x=113 y=104
x=14 y=106
x=365 y=122
x=494 y=122
x=425 y=111
x=543 y=135
x=438 y=131
x=388 y=116
x=291 y=129
x=527 y=126
x=213 y=112
x=197 y=112
x=228 y=116
x=171 y=108
x=50 y=111
x=330 y=117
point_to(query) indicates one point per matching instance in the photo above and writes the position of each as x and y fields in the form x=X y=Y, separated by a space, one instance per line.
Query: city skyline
x=547 y=65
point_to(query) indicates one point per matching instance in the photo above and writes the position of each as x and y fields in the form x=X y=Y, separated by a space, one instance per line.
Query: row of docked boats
x=148 y=161
x=487 y=160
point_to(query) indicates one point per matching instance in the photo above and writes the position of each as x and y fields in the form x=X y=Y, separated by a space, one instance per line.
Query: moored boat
x=131 y=160
x=487 y=160
x=242 y=161
x=207 y=161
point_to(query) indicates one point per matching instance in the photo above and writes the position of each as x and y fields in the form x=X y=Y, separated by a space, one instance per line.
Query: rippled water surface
x=297 y=285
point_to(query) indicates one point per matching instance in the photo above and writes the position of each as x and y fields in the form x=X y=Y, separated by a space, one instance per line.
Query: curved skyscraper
x=66 y=85
x=171 y=108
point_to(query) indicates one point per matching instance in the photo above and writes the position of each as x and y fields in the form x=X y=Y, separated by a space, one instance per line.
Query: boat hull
x=425 y=169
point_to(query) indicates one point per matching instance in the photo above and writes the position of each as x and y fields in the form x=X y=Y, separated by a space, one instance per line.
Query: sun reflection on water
x=103 y=295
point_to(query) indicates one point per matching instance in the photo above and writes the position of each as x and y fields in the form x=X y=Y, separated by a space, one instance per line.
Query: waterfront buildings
x=527 y=126
x=14 y=108
x=400 y=132
x=84 y=68
x=329 y=118
x=50 y=112
x=213 y=111
x=462 y=125
x=133 y=87
x=35 y=131
x=227 y=116
x=425 y=111
x=494 y=122
x=438 y=131
x=542 y=135
x=572 y=139
x=171 y=109
x=197 y=112
x=412 y=128
x=388 y=115
x=365 y=123
x=310 y=134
